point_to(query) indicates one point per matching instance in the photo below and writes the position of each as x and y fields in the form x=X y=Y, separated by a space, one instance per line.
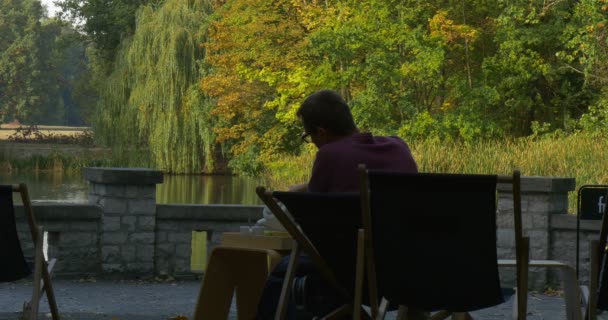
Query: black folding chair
x=432 y=240
x=14 y=266
x=595 y=296
x=327 y=228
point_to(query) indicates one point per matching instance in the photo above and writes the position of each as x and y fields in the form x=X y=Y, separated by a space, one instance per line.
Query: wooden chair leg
x=520 y=306
x=594 y=263
x=359 y=270
x=382 y=309
x=571 y=294
x=287 y=283
x=50 y=293
x=37 y=286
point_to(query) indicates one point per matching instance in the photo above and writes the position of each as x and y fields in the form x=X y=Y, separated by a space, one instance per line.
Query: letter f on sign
x=601 y=205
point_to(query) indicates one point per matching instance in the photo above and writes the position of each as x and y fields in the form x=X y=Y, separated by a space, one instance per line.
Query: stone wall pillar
x=541 y=198
x=127 y=197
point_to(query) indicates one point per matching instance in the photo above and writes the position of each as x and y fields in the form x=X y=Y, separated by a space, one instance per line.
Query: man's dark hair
x=326 y=109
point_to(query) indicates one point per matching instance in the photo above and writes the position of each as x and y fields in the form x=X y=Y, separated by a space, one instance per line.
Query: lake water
x=194 y=189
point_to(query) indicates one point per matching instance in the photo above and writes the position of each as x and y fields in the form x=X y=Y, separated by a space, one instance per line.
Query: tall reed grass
x=62 y=161
x=579 y=156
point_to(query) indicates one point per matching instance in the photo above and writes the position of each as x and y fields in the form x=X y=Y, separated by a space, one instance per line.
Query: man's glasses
x=305 y=137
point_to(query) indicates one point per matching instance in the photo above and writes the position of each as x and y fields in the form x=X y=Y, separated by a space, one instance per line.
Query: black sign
x=592 y=202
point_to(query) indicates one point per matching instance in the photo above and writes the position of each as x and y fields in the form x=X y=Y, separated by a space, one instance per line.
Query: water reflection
x=50 y=186
x=207 y=189
x=71 y=187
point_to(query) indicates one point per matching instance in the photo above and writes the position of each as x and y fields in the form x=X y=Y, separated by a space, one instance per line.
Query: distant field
x=6 y=130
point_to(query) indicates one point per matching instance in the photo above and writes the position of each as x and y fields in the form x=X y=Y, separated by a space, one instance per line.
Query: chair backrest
x=14 y=265
x=330 y=222
x=602 y=298
x=434 y=239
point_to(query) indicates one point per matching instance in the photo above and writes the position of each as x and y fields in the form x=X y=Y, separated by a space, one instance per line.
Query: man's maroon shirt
x=335 y=167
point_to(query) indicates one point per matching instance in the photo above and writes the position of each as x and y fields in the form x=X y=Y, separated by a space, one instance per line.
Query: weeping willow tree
x=151 y=102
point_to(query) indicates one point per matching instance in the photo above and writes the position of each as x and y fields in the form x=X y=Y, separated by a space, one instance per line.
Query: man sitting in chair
x=328 y=123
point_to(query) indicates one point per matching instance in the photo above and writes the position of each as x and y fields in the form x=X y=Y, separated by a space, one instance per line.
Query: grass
x=579 y=156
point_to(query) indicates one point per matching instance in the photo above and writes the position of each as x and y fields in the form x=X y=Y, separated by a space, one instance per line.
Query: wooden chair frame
x=597 y=253
x=520 y=263
x=42 y=268
x=303 y=244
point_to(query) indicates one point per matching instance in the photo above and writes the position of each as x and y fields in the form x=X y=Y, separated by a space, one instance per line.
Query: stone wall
x=175 y=223
x=72 y=234
x=75 y=233
x=123 y=232
x=541 y=199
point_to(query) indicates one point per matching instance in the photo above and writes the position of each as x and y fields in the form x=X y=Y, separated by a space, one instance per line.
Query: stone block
x=505 y=203
x=110 y=254
x=505 y=253
x=98 y=188
x=165 y=225
x=142 y=238
x=539 y=203
x=123 y=176
x=540 y=221
x=132 y=191
x=146 y=192
x=128 y=253
x=118 y=191
x=163 y=267
x=161 y=236
x=128 y=222
x=538 y=238
x=83 y=226
x=538 y=253
x=183 y=251
x=113 y=205
x=145 y=223
x=145 y=253
x=165 y=249
x=140 y=267
x=118 y=237
x=93 y=199
x=505 y=238
x=504 y=219
x=142 y=207
x=112 y=267
x=216 y=237
x=182 y=237
x=182 y=265
x=77 y=239
x=110 y=223
x=558 y=204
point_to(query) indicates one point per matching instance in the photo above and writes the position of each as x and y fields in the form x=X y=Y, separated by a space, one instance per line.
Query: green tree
x=105 y=22
x=28 y=70
x=152 y=100
x=253 y=49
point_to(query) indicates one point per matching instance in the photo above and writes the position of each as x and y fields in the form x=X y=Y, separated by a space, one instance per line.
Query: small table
x=241 y=262
x=253 y=241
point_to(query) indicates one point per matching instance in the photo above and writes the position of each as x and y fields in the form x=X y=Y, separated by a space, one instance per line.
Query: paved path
x=136 y=300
